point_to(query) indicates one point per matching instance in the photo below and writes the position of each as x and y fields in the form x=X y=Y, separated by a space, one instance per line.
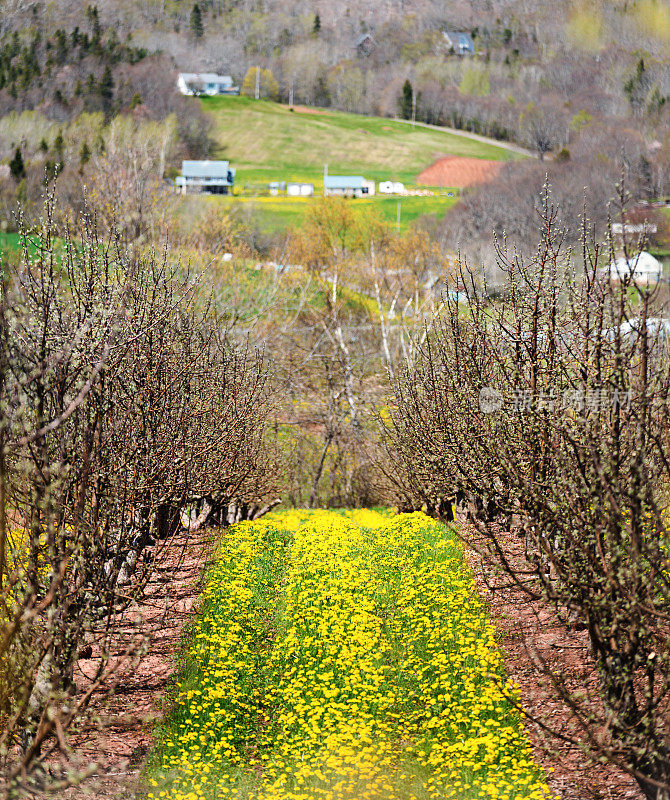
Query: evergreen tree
x=638 y=87
x=61 y=46
x=59 y=147
x=317 y=25
x=84 y=154
x=16 y=166
x=94 y=20
x=406 y=100
x=106 y=89
x=44 y=147
x=196 y=22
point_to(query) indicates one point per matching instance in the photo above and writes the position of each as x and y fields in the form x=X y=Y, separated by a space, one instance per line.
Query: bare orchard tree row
x=123 y=406
x=547 y=414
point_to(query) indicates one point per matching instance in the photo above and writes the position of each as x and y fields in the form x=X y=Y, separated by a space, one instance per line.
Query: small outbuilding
x=365 y=45
x=460 y=42
x=348 y=186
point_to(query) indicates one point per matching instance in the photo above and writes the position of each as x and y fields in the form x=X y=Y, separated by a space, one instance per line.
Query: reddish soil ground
x=119 y=737
x=531 y=637
x=459 y=172
x=308 y=110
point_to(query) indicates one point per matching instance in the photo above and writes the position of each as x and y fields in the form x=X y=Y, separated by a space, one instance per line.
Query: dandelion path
x=342 y=656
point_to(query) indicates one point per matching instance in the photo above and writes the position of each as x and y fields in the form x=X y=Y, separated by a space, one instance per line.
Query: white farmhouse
x=205 y=83
x=211 y=177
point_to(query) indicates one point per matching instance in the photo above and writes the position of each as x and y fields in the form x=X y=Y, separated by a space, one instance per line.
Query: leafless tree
x=547 y=412
x=123 y=405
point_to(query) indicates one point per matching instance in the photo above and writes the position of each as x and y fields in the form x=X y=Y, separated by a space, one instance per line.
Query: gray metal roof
x=344 y=182
x=206 y=77
x=205 y=169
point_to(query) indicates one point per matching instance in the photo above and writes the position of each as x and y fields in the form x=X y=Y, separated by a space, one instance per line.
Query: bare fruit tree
x=123 y=404
x=546 y=413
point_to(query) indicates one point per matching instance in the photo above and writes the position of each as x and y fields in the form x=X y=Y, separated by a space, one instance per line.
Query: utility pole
x=413 y=107
x=290 y=96
x=257 y=93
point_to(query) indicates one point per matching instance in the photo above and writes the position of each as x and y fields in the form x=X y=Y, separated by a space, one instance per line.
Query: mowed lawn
x=267 y=141
x=342 y=656
x=9 y=243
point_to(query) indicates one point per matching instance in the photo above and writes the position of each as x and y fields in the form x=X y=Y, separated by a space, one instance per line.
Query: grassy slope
x=266 y=141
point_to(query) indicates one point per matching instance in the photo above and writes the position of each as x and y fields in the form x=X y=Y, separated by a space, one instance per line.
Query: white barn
x=205 y=83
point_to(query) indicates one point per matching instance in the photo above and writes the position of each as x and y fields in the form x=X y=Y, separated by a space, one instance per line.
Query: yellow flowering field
x=342 y=656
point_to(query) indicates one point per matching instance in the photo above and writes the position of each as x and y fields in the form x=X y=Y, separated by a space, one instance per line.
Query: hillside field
x=267 y=141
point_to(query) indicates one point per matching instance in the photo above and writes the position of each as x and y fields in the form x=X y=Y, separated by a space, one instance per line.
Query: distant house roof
x=344 y=182
x=460 y=40
x=206 y=77
x=365 y=44
x=632 y=227
x=205 y=169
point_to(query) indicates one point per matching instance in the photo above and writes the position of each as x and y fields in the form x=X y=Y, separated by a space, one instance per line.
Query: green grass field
x=267 y=141
x=276 y=214
x=9 y=242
